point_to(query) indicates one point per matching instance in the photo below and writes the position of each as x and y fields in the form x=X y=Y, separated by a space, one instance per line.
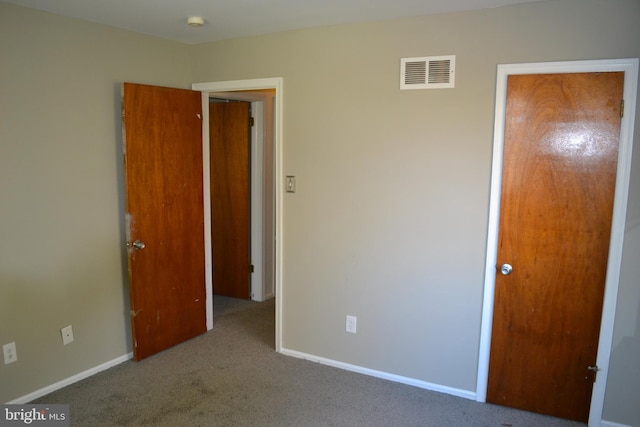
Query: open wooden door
x=162 y=136
x=559 y=173
x=229 y=135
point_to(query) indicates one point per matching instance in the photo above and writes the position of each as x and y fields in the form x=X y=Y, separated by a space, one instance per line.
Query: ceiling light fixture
x=195 y=21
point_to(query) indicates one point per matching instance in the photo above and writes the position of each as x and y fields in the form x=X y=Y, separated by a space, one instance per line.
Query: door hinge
x=251 y=268
x=595 y=370
x=252 y=121
x=621 y=108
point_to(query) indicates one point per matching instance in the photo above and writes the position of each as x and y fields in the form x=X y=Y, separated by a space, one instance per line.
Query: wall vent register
x=429 y=72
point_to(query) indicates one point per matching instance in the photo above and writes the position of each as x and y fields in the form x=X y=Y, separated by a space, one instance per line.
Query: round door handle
x=506 y=269
x=137 y=245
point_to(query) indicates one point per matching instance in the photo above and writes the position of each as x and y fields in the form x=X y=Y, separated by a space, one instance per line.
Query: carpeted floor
x=231 y=376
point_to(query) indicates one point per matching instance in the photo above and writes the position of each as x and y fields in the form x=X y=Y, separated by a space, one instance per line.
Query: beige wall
x=389 y=221
x=61 y=228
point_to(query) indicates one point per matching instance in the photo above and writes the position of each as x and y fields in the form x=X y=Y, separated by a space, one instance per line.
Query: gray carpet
x=231 y=376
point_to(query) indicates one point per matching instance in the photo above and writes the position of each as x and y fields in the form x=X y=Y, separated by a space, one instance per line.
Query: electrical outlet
x=10 y=354
x=67 y=334
x=352 y=322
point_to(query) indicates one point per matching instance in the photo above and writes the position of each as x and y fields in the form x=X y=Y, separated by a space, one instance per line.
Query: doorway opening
x=241 y=160
x=265 y=96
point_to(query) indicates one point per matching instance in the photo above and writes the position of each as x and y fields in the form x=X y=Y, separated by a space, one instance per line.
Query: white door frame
x=244 y=85
x=630 y=68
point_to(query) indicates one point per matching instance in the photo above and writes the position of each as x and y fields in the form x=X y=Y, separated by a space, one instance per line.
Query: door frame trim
x=630 y=68
x=245 y=85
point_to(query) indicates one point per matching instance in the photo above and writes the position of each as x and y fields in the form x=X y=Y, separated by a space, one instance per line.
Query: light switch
x=290 y=184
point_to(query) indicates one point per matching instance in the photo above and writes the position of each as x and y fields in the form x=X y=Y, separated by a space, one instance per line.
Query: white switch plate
x=352 y=322
x=290 y=184
x=10 y=354
x=67 y=334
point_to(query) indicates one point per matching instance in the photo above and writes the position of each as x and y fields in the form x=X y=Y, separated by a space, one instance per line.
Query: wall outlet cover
x=10 y=354
x=352 y=322
x=67 y=334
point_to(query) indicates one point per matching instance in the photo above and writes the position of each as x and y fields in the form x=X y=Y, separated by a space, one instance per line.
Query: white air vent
x=432 y=72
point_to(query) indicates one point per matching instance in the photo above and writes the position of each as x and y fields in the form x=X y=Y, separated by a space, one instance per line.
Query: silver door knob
x=137 y=245
x=506 y=269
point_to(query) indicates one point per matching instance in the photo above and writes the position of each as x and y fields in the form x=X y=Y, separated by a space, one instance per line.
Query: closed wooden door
x=559 y=171
x=162 y=133
x=229 y=135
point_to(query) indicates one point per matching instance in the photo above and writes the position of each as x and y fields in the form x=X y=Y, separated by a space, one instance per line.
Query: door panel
x=229 y=135
x=559 y=171
x=162 y=132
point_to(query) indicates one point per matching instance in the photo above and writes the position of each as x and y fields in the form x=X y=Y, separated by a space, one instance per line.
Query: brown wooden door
x=560 y=157
x=162 y=132
x=229 y=135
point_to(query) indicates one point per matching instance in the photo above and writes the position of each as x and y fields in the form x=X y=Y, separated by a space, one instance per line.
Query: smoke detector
x=195 y=21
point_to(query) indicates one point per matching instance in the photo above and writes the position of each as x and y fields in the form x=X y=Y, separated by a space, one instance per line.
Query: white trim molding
x=72 y=379
x=612 y=424
x=630 y=68
x=381 y=374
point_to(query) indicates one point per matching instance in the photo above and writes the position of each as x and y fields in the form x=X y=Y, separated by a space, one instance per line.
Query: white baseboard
x=605 y=423
x=380 y=374
x=68 y=381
